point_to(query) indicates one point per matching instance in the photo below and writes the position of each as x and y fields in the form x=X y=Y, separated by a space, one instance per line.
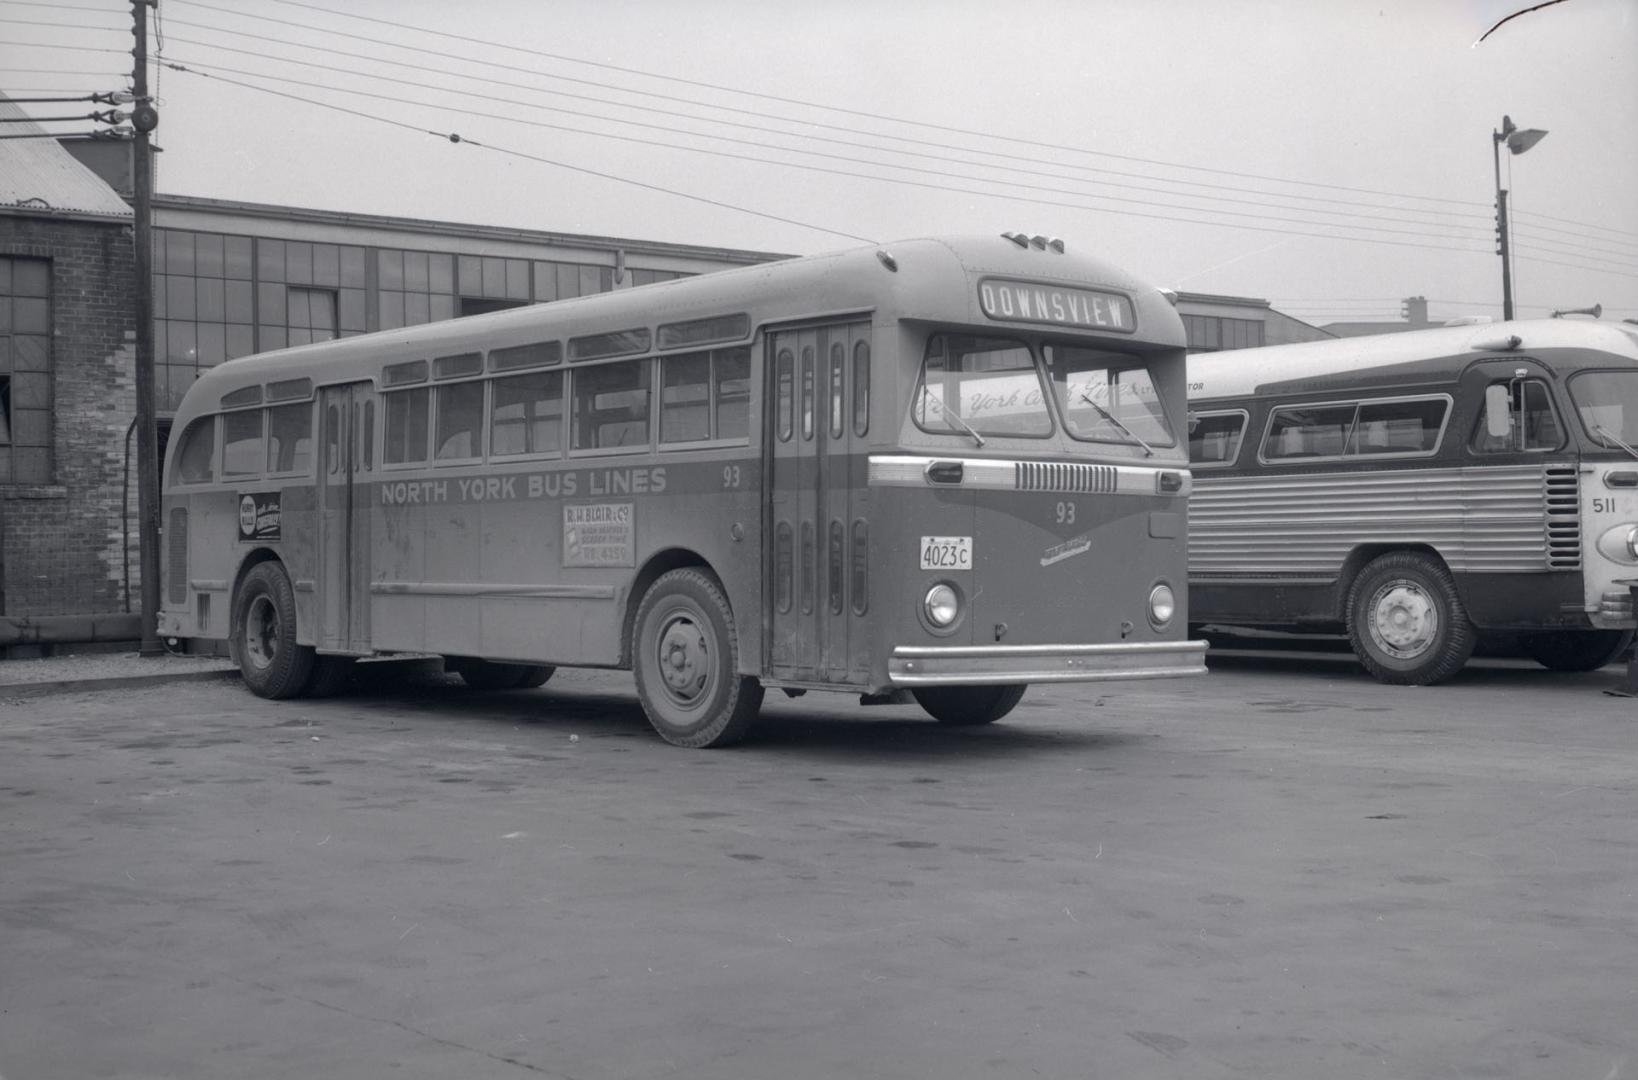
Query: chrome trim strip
x=520 y=592
x=1016 y=474
x=207 y=585
x=969 y=665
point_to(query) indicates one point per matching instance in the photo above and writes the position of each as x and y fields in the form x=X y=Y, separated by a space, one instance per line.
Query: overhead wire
x=916 y=183
x=328 y=31
x=458 y=139
x=421 y=84
x=1011 y=184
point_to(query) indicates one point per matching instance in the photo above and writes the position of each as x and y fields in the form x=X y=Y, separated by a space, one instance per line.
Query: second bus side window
x=611 y=405
x=290 y=438
x=460 y=421
x=1215 y=439
x=528 y=414
x=242 y=443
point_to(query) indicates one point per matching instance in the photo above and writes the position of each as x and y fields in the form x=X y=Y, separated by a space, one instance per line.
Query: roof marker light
x=1039 y=241
x=1056 y=245
x=1501 y=344
x=887 y=259
x=1018 y=238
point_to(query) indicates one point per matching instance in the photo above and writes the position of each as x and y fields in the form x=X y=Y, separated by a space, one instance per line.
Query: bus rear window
x=990 y=385
x=194 y=454
x=1107 y=396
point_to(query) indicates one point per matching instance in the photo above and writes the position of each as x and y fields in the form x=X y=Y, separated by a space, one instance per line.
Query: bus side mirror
x=1498 y=403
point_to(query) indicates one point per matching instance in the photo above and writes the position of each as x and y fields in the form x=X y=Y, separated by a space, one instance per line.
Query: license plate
x=946 y=553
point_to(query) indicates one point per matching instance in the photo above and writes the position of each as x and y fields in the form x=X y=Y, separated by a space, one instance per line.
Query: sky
x=1331 y=157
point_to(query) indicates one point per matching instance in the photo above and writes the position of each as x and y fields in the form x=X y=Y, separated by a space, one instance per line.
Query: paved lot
x=1284 y=870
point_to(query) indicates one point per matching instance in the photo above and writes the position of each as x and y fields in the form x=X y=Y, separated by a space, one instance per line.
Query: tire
x=330 y=675
x=487 y=675
x=263 y=636
x=535 y=675
x=685 y=655
x=1576 y=650
x=969 y=706
x=1406 y=621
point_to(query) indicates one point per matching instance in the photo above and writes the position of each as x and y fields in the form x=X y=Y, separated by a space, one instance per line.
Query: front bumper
x=973 y=665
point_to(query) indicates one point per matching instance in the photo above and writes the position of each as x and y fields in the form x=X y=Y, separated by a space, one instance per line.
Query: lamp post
x=1518 y=141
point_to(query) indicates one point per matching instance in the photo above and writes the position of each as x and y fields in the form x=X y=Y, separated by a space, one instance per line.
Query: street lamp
x=1518 y=141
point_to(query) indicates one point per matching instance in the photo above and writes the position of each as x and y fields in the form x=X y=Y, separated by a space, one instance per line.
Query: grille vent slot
x=1083 y=479
x=176 y=568
x=1562 y=492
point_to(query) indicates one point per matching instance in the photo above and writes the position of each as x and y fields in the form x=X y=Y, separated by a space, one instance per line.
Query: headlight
x=941 y=605
x=1162 y=605
x=1632 y=542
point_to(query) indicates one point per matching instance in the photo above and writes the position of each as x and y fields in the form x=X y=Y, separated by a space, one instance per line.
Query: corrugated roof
x=38 y=176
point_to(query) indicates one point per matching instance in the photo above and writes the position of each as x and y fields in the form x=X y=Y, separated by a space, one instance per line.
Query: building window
x=1211 y=333
x=25 y=371
x=311 y=315
x=415 y=287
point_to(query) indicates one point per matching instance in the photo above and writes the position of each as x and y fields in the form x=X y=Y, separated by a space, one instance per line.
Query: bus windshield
x=1107 y=396
x=1608 y=404
x=988 y=386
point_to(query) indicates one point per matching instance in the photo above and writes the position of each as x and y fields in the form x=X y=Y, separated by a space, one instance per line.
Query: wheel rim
x=262 y=632
x=685 y=657
x=1404 y=619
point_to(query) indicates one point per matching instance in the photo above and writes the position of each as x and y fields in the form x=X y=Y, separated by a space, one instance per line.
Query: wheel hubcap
x=685 y=662
x=262 y=632
x=1404 y=620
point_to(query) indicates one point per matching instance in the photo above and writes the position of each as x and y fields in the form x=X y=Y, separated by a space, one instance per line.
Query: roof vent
x=1018 y=238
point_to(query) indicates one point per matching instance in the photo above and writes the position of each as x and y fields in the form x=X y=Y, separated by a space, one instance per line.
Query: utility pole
x=144 y=118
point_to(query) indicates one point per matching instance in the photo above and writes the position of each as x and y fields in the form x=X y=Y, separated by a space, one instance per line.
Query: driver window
x=1532 y=422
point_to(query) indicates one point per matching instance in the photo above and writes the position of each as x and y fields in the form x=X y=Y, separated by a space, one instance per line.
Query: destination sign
x=1023 y=301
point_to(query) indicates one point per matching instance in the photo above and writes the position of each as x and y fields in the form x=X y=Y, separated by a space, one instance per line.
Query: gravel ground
x=122 y=665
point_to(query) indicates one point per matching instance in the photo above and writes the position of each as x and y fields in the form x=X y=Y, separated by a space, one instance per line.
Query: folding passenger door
x=814 y=581
x=346 y=467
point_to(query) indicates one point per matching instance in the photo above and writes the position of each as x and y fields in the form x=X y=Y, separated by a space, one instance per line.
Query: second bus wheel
x=685 y=654
x=1576 y=650
x=264 y=634
x=1406 y=621
x=968 y=706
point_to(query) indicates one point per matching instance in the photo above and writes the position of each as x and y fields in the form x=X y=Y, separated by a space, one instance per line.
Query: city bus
x=937 y=471
x=1422 y=489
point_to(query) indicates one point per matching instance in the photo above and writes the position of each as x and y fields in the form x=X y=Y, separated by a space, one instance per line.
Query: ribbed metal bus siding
x=1495 y=519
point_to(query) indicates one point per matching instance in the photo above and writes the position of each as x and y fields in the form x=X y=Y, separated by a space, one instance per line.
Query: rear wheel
x=1406 y=621
x=968 y=706
x=685 y=654
x=1576 y=650
x=264 y=634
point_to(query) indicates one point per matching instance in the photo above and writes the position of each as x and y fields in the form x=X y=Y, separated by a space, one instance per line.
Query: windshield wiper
x=1109 y=416
x=951 y=414
x=1599 y=430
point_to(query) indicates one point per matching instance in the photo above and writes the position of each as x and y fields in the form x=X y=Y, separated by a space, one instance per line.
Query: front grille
x=1083 y=479
x=1562 y=485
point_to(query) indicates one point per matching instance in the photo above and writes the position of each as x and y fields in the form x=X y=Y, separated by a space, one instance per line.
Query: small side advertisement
x=259 y=516
x=598 y=534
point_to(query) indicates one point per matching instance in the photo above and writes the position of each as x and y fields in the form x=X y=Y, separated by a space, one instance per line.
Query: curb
x=17 y=691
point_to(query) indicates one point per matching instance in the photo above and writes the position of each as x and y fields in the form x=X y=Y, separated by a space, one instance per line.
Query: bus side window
x=406 y=426
x=332 y=439
x=1309 y=431
x=838 y=365
x=527 y=415
x=460 y=422
x=1215 y=439
x=1399 y=427
x=612 y=405
x=290 y=438
x=197 y=451
x=242 y=449
x=685 y=398
x=731 y=381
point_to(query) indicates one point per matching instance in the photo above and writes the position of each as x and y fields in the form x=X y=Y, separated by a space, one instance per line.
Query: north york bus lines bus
x=1420 y=489
x=941 y=470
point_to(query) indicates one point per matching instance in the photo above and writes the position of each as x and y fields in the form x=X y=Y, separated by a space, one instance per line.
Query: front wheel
x=968 y=706
x=1406 y=621
x=264 y=634
x=1576 y=650
x=685 y=654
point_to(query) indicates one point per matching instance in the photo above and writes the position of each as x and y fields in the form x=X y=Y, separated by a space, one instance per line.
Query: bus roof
x=932 y=279
x=1417 y=355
